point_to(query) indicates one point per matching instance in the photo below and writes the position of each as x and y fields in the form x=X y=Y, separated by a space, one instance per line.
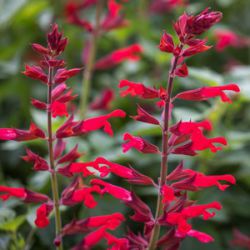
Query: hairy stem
x=164 y=155
x=89 y=67
x=54 y=183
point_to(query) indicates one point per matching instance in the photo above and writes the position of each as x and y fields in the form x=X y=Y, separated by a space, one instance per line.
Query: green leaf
x=13 y=225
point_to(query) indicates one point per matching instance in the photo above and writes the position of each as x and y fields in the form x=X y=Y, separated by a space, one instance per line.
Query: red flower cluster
x=184 y=137
x=227 y=38
x=52 y=73
x=174 y=209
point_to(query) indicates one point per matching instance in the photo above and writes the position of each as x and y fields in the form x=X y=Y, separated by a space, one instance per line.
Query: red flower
x=204 y=181
x=103 y=222
x=142 y=212
x=166 y=43
x=40 y=49
x=99 y=122
x=131 y=52
x=198 y=24
x=56 y=41
x=73 y=18
x=58 y=109
x=116 y=243
x=35 y=72
x=190 y=127
x=138 y=143
x=12 y=134
x=38 y=104
x=204 y=93
x=21 y=193
x=114 y=168
x=137 y=89
x=202 y=237
x=180 y=218
x=103 y=102
x=83 y=167
x=42 y=214
x=113 y=18
x=109 y=221
x=226 y=38
x=71 y=156
x=167 y=194
x=182 y=71
x=196 y=48
x=85 y=195
x=115 y=191
x=200 y=142
x=63 y=74
x=39 y=163
x=144 y=116
x=7 y=192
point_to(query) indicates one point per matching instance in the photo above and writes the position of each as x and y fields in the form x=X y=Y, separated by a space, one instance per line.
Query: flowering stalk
x=164 y=155
x=173 y=208
x=113 y=19
x=89 y=66
x=54 y=182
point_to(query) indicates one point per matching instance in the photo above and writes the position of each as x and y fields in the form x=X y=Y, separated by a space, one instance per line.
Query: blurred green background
x=23 y=22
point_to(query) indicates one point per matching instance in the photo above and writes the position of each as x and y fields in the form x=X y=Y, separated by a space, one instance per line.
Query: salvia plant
x=173 y=210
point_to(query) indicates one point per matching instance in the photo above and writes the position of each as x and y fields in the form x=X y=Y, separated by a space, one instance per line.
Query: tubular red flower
x=166 y=43
x=21 y=193
x=200 y=142
x=144 y=116
x=42 y=214
x=115 y=191
x=99 y=122
x=39 y=163
x=80 y=167
x=113 y=18
x=73 y=18
x=137 y=89
x=71 y=156
x=63 y=74
x=116 y=243
x=167 y=194
x=180 y=218
x=114 y=168
x=200 y=23
x=85 y=195
x=7 y=192
x=131 y=52
x=205 y=93
x=103 y=102
x=139 y=144
x=38 y=104
x=188 y=128
x=12 y=134
x=204 y=181
x=35 y=72
x=202 y=237
x=40 y=49
x=142 y=212
x=195 y=49
x=182 y=71
x=58 y=109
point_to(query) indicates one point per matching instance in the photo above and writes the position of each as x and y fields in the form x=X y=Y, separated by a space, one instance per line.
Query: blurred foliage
x=25 y=21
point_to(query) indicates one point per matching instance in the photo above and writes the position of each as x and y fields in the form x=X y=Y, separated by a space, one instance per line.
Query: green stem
x=89 y=67
x=54 y=183
x=164 y=156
